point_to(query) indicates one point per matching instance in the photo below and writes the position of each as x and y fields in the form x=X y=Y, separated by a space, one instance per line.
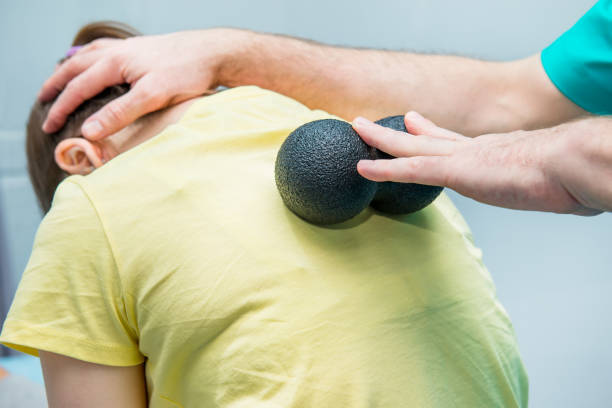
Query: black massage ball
x=401 y=198
x=316 y=172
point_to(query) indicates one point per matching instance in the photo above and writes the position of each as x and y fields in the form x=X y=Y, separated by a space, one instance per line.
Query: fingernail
x=366 y=164
x=91 y=129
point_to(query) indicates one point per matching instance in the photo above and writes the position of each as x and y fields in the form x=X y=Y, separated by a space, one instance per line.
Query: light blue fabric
x=579 y=62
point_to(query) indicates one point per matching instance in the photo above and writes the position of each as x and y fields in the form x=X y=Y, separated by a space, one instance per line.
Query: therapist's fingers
x=431 y=170
x=89 y=83
x=78 y=62
x=144 y=97
x=401 y=144
x=418 y=125
x=64 y=73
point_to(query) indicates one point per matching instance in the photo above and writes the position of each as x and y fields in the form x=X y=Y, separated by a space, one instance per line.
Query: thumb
x=123 y=111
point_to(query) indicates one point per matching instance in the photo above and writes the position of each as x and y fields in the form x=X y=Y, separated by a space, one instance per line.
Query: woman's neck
x=145 y=128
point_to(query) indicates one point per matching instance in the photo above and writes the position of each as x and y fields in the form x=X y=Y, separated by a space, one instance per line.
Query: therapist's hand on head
x=564 y=169
x=162 y=70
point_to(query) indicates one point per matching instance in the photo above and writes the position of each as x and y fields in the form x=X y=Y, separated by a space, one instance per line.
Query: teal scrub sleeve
x=579 y=62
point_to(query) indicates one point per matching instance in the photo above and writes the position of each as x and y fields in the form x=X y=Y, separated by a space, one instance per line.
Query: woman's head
x=43 y=149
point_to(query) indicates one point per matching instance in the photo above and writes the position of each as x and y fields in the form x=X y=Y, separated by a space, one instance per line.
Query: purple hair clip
x=73 y=50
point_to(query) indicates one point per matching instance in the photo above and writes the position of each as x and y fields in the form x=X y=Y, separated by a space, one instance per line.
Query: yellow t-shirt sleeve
x=70 y=299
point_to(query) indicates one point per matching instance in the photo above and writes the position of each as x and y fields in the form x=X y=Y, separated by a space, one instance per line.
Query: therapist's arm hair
x=72 y=383
x=470 y=96
x=467 y=95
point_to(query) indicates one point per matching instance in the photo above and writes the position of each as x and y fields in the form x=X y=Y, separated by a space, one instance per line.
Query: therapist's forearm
x=467 y=95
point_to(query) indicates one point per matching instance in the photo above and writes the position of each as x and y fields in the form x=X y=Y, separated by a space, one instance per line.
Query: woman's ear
x=78 y=156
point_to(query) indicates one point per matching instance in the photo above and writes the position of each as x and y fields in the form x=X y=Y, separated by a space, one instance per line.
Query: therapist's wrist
x=238 y=55
x=579 y=158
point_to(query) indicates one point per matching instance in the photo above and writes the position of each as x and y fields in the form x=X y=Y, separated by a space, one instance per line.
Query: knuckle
x=447 y=179
x=115 y=113
x=96 y=44
x=70 y=66
x=158 y=99
x=416 y=164
x=59 y=110
x=73 y=89
x=411 y=168
x=449 y=175
x=386 y=172
x=152 y=96
x=114 y=59
x=73 y=67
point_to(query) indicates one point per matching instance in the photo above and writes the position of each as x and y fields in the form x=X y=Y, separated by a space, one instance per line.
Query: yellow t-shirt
x=180 y=253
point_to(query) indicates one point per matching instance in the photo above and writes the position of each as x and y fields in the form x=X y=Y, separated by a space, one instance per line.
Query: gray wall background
x=552 y=271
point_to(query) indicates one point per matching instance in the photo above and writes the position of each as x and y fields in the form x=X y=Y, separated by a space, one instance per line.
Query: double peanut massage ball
x=317 y=178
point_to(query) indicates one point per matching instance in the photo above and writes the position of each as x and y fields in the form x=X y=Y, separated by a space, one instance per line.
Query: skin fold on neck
x=143 y=129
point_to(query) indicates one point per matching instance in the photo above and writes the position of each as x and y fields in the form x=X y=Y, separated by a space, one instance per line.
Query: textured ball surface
x=401 y=198
x=316 y=172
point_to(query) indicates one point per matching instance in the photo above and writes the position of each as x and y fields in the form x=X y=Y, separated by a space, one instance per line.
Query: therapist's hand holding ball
x=558 y=169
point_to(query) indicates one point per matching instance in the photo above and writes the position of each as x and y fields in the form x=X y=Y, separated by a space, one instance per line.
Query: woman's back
x=182 y=253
